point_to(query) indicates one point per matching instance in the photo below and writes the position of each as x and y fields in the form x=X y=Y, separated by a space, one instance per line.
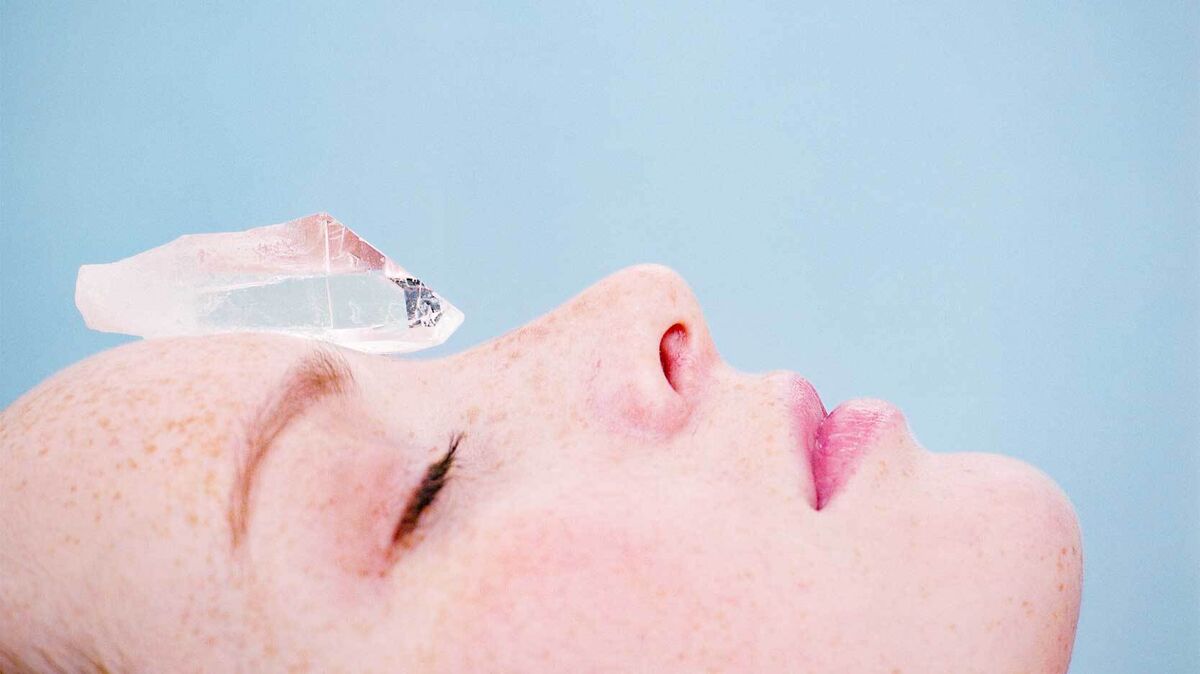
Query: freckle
x=74 y=488
x=150 y=448
x=116 y=495
x=1061 y=586
x=192 y=519
x=104 y=422
x=43 y=451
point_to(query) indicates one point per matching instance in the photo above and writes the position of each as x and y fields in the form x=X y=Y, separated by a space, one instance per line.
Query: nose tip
x=654 y=347
x=657 y=283
x=655 y=300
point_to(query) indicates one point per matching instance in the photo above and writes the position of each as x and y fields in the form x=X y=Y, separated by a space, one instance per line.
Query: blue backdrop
x=985 y=213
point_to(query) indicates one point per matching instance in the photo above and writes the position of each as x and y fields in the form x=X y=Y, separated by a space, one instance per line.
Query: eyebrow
x=317 y=376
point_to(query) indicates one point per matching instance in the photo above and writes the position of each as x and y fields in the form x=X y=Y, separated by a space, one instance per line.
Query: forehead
x=199 y=371
x=187 y=388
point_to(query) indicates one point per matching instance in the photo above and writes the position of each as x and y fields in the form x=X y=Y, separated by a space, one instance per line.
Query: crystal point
x=311 y=277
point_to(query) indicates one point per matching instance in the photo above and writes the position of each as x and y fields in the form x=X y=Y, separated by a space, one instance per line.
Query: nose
x=648 y=348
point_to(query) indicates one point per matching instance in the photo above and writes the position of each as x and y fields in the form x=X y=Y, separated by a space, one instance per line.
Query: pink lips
x=832 y=444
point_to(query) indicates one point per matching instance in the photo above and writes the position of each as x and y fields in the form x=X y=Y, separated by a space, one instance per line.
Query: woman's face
x=618 y=498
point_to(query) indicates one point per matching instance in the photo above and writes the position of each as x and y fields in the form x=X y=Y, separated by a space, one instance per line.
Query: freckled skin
x=600 y=515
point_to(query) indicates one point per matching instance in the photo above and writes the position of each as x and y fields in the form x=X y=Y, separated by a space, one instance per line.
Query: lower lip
x=839 y=443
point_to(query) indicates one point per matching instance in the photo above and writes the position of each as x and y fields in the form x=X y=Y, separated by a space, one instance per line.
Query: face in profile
x=596 y=491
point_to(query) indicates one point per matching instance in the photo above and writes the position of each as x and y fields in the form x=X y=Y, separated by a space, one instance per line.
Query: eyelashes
x=435 y=478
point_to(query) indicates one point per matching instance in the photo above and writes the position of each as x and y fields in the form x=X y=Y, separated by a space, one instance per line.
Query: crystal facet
x=310 y=277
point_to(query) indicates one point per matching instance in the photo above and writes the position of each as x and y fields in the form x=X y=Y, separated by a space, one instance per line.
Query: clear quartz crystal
x=310 y=277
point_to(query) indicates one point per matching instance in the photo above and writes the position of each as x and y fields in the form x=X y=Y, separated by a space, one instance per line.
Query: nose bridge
x=651 y=350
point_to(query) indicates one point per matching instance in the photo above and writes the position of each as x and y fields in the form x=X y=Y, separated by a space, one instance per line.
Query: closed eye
x=435 y=478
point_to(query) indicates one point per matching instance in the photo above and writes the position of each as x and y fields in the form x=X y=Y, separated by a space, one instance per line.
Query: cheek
x=577 y=583
x=545 y=557
x=565 y=581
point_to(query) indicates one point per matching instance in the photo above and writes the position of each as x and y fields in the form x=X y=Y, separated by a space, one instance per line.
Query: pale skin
x=614 y=502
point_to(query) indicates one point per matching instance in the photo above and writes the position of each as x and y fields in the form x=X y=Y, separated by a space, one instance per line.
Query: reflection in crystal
x=424 y=307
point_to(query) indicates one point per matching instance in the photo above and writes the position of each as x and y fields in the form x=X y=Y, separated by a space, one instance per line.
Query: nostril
x=672 y=352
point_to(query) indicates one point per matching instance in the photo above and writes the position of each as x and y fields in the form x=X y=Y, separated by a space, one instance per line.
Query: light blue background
x=985 y=213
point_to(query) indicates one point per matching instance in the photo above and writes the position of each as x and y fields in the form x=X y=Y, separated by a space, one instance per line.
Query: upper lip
x=807 y=412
